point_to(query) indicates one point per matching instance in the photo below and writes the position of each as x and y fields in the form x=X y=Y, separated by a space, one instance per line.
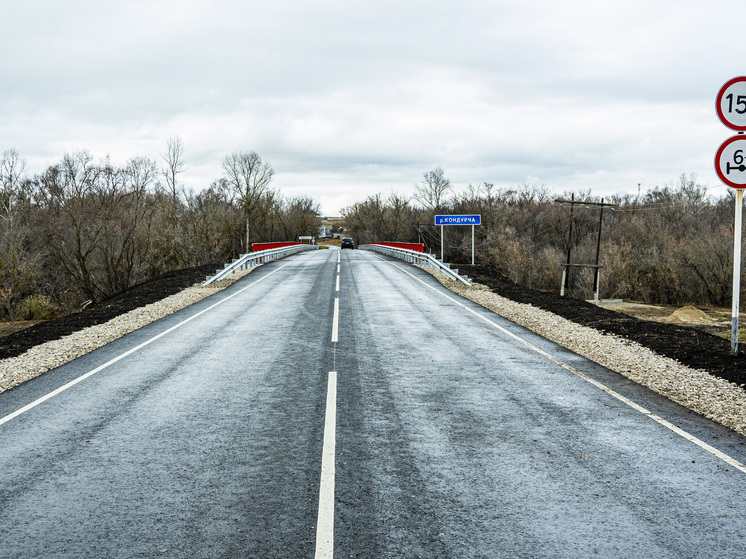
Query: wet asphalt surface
x=453 y=440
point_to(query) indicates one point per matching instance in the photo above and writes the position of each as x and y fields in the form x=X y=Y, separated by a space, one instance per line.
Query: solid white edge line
x=325 y=521
x=688 y=436
x=335 y=321
x=100 y=368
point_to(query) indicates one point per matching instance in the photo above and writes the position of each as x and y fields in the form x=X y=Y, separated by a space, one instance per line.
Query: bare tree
x=174 y=159
x=98 y=222
x=12 y=170
x=171 y=227
x=299 y=216
x=129 y=256
x=18 y=265
x=214 y=223
x=248 y=178
x=398 y=217
x=74 y=222
x=433 y=192
x=366 y=221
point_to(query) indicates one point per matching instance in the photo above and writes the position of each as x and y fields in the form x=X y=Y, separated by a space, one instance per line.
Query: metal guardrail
x=420 y=258
x=248 y=261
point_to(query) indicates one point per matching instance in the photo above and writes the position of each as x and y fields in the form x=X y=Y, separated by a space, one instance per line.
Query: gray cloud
x=349 y=99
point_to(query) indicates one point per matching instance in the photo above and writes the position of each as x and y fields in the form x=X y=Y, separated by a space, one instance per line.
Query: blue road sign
x=458 y=220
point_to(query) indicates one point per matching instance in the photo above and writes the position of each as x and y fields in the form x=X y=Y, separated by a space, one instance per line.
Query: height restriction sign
x=730 y=162
x=731 y=104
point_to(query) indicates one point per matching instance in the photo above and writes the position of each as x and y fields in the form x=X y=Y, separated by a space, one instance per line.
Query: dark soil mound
x=103 y=311
x=687 y=344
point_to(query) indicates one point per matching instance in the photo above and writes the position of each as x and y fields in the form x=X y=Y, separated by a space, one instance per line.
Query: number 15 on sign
x=731 y=104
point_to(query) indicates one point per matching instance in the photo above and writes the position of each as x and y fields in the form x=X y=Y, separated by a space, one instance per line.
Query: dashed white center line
x=335 y=321
x=325 y=521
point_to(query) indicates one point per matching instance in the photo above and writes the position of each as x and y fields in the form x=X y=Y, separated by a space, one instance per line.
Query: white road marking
x=688 y=436
x=325 y=522
x=337 y=282
x=335 y=321
x=339 y=267
x=100 y=368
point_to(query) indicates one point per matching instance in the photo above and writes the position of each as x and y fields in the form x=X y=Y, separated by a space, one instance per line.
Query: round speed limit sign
x=731 y=104
x=730 y=162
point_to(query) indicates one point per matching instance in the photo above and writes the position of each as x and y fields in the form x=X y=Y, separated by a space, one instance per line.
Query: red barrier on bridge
x=419 y=247
x=256 y=247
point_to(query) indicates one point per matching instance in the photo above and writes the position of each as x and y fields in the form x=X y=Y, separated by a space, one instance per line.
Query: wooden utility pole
x=597 y=274
x=569 y=264
x=566 y=271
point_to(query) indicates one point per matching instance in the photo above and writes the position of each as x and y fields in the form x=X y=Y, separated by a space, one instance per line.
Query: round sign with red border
x=730 y=162
x=731 y=104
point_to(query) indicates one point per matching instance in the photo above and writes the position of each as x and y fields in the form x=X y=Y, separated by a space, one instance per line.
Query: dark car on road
x=348 y=243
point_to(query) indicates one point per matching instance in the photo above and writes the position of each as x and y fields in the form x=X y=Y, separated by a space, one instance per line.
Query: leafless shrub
x=84 y=229
x=671 y=245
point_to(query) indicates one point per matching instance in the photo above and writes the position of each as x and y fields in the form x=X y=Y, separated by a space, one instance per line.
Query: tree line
x=85 y=229
x=670 y=245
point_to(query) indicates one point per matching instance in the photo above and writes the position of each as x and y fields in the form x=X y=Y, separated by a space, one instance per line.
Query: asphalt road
x=442 y=436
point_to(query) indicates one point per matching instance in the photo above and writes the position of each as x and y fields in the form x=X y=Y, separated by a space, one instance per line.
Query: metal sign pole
x=442 y=258
x=472 y=245
x=736 y=272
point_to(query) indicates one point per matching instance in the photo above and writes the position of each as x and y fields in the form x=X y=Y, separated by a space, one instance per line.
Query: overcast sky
x=350 y=98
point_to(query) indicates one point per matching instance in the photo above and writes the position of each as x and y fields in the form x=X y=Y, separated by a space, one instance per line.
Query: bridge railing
x=420 y=258
x=252 y=259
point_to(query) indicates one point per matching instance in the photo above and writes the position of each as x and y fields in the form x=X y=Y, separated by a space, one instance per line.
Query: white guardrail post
x=248 y=261
x=419 y=258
